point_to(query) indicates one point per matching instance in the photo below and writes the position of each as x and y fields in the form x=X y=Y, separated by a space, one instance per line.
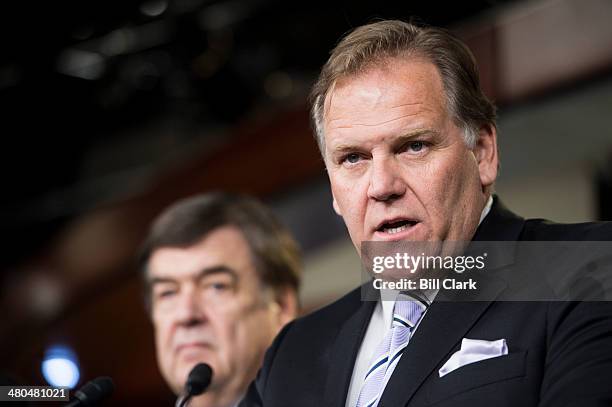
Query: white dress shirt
x=380 y=323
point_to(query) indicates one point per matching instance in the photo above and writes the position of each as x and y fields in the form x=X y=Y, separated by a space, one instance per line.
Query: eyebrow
x=399 y=140
x=220 y=269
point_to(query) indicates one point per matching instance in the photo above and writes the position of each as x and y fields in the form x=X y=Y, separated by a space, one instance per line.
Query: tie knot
x=407 y=311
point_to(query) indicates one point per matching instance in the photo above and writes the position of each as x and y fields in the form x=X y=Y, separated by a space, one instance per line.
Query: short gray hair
x=375 y=43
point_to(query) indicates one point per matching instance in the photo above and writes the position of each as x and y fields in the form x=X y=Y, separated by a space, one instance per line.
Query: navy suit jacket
x=560 y=353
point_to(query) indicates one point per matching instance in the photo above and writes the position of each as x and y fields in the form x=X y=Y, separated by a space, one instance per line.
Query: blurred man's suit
x=552 y=359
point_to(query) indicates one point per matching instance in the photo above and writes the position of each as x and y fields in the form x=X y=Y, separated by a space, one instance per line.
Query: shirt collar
x=486 y=209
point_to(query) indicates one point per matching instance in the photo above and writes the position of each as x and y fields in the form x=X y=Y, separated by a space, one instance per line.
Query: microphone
x=197 y=381
x=92 y=392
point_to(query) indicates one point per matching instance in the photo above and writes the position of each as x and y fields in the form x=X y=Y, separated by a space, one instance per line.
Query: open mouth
x=396 y=227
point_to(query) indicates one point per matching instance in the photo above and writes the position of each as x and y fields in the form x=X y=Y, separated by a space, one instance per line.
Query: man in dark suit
x=410 y=145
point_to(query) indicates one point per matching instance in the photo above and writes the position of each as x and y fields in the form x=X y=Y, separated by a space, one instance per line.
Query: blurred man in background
x=222 y=279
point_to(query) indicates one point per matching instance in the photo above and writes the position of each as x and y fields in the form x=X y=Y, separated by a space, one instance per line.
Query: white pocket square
x=474 y=350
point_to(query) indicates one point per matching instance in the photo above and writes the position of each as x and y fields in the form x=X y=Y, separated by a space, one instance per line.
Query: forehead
x=379 y=94
x=224 y=246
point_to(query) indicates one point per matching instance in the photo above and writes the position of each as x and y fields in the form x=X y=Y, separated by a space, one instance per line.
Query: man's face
x=398 y=164
x=208 y=305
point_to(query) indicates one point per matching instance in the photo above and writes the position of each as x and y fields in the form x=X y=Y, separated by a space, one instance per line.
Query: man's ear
x=288 y=304
x=335 y=205
x=485 y=152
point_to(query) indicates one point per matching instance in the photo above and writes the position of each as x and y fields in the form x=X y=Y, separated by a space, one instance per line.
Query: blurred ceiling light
x=82 y=33
x=81 y=64
x=153 y=8
x=222 y=15
x=118 y=42
x=45 y=295
x=278 y=85
x=133 y=39
x=60 y=367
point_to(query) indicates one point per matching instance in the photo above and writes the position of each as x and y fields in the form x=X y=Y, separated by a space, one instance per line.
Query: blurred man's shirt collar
x=486 y=209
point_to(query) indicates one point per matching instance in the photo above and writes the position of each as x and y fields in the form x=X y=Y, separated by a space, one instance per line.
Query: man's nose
x=189 y=310
x=385 y=179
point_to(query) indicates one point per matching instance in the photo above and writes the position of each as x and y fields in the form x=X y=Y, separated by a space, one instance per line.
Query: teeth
x=395 y=230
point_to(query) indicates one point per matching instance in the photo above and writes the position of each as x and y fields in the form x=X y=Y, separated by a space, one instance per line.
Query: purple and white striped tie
x=406 y=314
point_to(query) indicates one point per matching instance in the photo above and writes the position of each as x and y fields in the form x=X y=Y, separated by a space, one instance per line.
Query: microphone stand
x=183 y=400
x=197 y=381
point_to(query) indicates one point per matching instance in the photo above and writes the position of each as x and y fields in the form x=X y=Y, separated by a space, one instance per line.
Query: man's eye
x=416 y=146
x=220 y=286
x=166 y=293
x=352 y=158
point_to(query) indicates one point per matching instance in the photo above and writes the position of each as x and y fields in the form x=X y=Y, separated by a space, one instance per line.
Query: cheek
x=162 y=332
x=244 y=341
x=433 y=183
x=445 y=183
x=349 y=197
x=223 y=322
x=232 y=320
x=462 y=186
x=460 y=170
x=256 y=333
x=163 y=347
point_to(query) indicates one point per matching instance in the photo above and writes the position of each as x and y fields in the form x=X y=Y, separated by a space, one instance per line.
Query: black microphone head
x=95 y=390
x=198 y=380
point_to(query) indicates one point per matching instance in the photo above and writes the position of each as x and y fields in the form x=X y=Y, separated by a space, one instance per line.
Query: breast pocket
x=477 y=374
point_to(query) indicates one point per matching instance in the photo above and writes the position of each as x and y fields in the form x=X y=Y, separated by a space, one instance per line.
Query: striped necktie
x=406 y=314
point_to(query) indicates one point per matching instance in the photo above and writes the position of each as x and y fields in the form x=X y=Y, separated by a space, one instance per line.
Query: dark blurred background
x=113 y=110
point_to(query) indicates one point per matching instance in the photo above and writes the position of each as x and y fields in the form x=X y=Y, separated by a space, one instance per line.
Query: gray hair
x=374 y=44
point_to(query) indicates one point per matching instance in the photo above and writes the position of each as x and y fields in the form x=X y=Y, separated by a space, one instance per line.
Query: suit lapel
x=442 y=328
x=344 y=354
